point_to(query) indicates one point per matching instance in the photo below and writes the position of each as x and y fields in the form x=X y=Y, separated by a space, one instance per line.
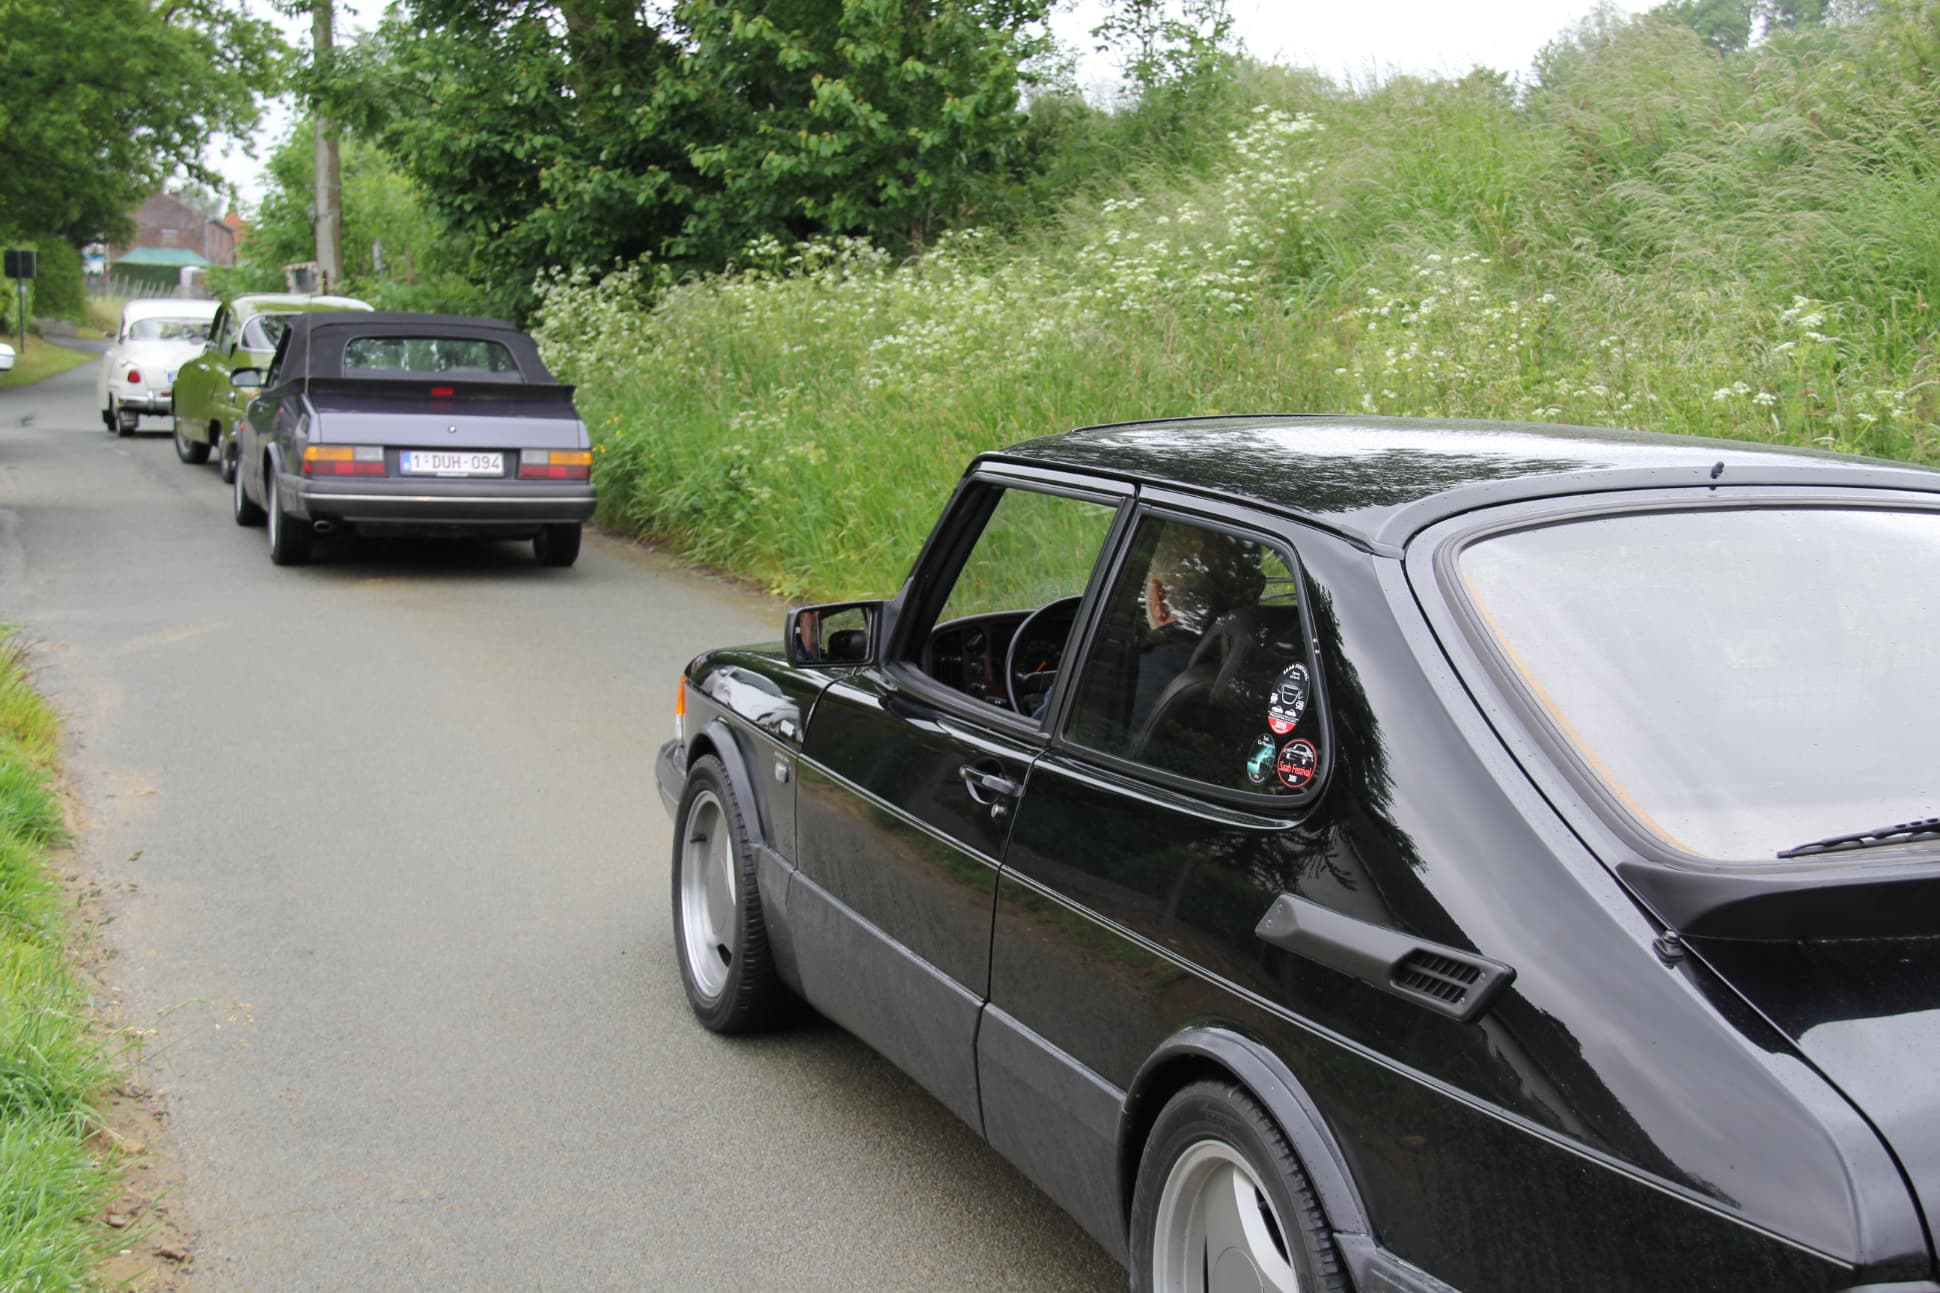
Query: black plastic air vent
x=1445 y=979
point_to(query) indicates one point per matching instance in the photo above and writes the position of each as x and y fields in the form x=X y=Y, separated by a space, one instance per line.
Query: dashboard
x=1006 y=658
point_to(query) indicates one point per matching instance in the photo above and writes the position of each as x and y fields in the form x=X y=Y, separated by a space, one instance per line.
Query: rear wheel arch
x=1222 y=1055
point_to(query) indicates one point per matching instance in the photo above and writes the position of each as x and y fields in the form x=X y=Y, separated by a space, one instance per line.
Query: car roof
x=315 y=342
x=403 y=322
x=168 y=307
x=265 y=302
x=1378 y=481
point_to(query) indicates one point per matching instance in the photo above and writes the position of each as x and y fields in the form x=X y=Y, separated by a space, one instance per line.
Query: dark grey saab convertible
x=1330 y=853
x=380 y=423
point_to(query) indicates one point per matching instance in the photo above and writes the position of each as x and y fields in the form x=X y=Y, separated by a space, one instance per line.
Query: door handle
x=993 y=785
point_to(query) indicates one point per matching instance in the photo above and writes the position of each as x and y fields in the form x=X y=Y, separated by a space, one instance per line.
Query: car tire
x=1220 y=1190
x=225 y=461
x=108 y=415
x=720 y=934
x=190 y=451
x=557 y=545
x=289 y=540
x=242 y=506
x=126 y=420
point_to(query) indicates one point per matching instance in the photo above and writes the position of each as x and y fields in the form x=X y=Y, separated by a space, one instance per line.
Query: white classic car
x=156 y=337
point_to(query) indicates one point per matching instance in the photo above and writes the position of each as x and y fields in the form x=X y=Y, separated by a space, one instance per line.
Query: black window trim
x=1256 y=527
x=951 y=542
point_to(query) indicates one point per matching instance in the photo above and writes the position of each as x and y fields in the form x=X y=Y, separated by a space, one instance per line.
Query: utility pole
x=330 y=209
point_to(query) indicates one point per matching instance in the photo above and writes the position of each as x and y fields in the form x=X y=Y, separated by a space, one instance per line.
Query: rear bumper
x=438 y=504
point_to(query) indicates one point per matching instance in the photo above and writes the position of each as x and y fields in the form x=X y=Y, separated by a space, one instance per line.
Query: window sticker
x=1297 y=764
x=1288 y=702
x=1260 y=762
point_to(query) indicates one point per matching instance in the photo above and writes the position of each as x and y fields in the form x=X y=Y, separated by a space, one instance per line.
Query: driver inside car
x=1194 y=577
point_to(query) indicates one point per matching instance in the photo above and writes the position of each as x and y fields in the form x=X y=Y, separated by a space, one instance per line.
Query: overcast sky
x=1350 y=40
x=1366 y=40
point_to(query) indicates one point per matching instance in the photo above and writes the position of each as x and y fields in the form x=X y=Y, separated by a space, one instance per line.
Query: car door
x=195 y=384
x=1159 y=829
x=913 y=767
x=227 y=402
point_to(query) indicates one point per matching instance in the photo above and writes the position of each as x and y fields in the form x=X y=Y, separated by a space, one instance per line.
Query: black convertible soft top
x=313 y=348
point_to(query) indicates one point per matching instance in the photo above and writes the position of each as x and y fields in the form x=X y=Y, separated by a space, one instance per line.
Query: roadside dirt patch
x=157 y=1249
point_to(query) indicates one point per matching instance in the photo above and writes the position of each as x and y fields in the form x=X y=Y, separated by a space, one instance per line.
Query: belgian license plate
x=448 y=462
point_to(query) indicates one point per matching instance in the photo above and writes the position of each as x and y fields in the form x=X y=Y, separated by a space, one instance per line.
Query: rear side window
x=1201 y=666
x=452 y=356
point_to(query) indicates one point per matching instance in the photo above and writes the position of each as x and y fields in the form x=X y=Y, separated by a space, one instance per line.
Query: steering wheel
x=1031 y=663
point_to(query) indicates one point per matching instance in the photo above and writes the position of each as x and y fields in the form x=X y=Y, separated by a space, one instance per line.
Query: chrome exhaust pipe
x=324 y=527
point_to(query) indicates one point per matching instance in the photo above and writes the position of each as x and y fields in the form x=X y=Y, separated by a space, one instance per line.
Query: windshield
x=264 y=331
x=1739 y=681
x=153 y=329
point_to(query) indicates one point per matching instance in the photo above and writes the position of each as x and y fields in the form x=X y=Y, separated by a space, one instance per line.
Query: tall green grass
x=53 y=1179
x=1652 y=234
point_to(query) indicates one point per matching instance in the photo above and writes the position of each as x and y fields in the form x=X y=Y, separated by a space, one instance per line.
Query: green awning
x=158 y=257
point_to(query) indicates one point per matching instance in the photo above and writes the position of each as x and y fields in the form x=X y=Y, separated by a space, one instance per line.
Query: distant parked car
x=155 y=338
x=1335 y=853
x=243 y=335
x=6 y=357
x=410 y=424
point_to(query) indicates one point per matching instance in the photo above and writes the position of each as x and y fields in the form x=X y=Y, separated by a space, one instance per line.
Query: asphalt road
x=388 y=879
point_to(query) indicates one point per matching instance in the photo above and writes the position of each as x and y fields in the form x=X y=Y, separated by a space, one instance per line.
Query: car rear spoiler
x=1831 y=896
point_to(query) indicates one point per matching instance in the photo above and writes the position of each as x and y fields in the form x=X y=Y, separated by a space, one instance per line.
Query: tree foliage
x=587 y=133
x=1732 y=25
x=394 y=256
x=107 y=98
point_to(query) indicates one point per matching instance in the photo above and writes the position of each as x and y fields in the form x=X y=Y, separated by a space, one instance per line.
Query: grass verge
x=54 y=1176
x=1652 y=234
x=41 y=359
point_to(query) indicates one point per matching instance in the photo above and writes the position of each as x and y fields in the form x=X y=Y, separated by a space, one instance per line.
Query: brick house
x=166 y=223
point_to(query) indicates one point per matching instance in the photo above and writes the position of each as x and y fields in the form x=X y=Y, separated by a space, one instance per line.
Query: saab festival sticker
x=1260 y=761
x=1297 y=764
x=1289 y=700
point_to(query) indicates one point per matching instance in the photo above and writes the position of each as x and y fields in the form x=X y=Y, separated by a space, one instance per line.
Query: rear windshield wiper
x=1927 y=828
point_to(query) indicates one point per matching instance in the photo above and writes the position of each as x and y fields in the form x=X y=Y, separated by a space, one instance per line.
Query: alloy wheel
x=1216 y=1230
x=708 y=893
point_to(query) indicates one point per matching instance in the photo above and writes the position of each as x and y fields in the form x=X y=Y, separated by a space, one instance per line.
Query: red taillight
x=442 y=392
x=134 y=376
x=555 y=464
x=342 y=460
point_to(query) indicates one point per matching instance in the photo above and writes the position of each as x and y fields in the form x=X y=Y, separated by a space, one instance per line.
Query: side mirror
x=841 y=633
x=247 y=379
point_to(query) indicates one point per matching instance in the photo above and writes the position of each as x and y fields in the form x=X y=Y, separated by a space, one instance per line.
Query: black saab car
x=390 y=423
x=1335 y=853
